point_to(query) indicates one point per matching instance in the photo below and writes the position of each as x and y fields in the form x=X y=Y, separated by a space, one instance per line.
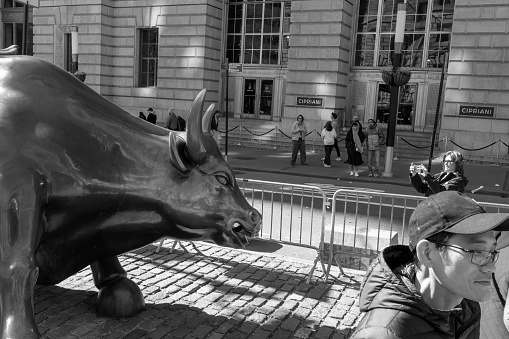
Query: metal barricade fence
x=363 y=223
x=292 y=214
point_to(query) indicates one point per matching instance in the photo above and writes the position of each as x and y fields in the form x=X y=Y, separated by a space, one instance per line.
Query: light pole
x=395 y=79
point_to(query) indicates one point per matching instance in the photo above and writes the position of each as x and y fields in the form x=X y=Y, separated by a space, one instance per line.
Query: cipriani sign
x=477 y=111
x=310 y=101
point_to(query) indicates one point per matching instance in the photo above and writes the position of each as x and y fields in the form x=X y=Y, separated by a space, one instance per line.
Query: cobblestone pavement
x=224 y=293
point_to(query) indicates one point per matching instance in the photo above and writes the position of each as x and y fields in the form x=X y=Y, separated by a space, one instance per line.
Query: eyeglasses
x=479 y=257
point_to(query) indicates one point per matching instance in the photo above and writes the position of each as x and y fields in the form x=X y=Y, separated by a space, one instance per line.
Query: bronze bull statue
x=82 y=181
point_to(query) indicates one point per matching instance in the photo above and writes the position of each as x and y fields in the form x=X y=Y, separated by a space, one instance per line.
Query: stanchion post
x=397 y=146
x=275 y=140
x=240 y=135
x=498 y=153
x=313 y=151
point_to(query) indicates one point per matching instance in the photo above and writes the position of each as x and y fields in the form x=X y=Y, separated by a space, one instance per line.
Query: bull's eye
x=222 y=179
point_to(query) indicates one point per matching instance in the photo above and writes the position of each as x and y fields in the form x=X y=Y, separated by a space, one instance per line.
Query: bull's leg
x=21 y=198
x=118 y=296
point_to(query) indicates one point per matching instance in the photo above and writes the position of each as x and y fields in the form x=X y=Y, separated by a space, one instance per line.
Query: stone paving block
x=290 y=324
x=202 y=331
x=281 y=334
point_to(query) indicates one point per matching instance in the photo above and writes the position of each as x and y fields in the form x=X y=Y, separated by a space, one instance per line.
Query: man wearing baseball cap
x=432 y=287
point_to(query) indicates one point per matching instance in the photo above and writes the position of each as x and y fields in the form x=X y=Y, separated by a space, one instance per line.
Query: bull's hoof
x=25 y=331
x=120 y=298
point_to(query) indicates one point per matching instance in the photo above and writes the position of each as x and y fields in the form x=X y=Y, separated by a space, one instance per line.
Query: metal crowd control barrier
x=363 y=223
x=292 y=214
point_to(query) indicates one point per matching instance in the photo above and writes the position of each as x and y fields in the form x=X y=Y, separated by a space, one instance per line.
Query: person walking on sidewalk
x=299 y=131
x=374 y=140
x=354 y=139
x=329 y=139
x=452 y=177
x=432 y=287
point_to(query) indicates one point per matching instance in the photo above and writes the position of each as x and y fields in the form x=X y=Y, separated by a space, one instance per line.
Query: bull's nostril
x=254 y=216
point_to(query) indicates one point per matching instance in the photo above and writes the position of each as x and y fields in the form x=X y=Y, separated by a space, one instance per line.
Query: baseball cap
x=452 y=212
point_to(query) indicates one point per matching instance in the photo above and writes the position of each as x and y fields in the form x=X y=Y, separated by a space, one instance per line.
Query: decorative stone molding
x=60 y=32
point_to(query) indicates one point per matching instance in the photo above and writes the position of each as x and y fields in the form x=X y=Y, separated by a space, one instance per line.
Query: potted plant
x=80 y=75
x=397 y=76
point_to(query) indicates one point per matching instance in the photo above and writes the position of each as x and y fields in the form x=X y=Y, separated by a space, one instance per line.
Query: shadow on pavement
x=224 y=294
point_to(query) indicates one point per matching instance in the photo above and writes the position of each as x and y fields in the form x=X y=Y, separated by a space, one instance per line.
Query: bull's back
x=50 y=118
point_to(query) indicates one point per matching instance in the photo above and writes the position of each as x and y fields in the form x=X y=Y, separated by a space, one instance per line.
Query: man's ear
x=424 y=249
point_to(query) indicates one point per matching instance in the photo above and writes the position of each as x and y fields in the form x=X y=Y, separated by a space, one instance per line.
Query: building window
x=148 y=52
x=427 y=37
x=12 y=3
x=13 y=35
x=258 y=32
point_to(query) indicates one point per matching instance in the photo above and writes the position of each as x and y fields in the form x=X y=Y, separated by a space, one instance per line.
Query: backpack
x=181 y=124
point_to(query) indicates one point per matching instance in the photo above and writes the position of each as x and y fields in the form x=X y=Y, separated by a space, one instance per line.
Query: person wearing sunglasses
x=432 y=287
x=451 y=178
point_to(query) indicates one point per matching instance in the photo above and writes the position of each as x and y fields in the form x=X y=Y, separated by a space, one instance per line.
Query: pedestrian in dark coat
x=354 y=140
x=151 y=116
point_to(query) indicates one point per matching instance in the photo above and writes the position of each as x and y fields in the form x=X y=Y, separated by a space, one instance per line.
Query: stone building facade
x=286 y=58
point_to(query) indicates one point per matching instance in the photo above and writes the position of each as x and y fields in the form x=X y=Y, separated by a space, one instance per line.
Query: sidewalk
x=225 y=293
x=492 y=178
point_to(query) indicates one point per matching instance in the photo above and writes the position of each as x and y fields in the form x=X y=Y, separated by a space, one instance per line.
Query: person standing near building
x=172 y=120
x=329 y=139
x=335 y=125
x=354 y=140
x=432 y=287
x=299 y=131
x=374 y=140
x=151 y=117
x=452 y=177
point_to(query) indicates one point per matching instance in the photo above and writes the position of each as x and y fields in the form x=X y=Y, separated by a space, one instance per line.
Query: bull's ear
x=178 y=157
x=207 y=119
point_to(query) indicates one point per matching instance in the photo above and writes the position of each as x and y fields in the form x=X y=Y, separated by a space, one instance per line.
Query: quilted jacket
x=394 y=309
x=443 y=181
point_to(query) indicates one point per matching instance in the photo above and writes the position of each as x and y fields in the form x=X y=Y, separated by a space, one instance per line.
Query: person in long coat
x=354 y=140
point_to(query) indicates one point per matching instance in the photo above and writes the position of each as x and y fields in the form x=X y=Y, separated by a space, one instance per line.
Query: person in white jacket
x=329 y=139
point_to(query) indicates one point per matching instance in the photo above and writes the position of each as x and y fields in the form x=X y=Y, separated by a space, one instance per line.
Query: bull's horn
x=195 y=147
x=207 y=118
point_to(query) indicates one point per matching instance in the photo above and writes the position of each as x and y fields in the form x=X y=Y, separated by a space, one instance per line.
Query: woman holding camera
x=452 y=177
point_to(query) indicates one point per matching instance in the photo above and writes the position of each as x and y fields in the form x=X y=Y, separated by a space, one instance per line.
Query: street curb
x=355 y=179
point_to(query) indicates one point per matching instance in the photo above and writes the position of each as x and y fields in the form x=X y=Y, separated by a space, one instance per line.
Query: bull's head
x=216 y=202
